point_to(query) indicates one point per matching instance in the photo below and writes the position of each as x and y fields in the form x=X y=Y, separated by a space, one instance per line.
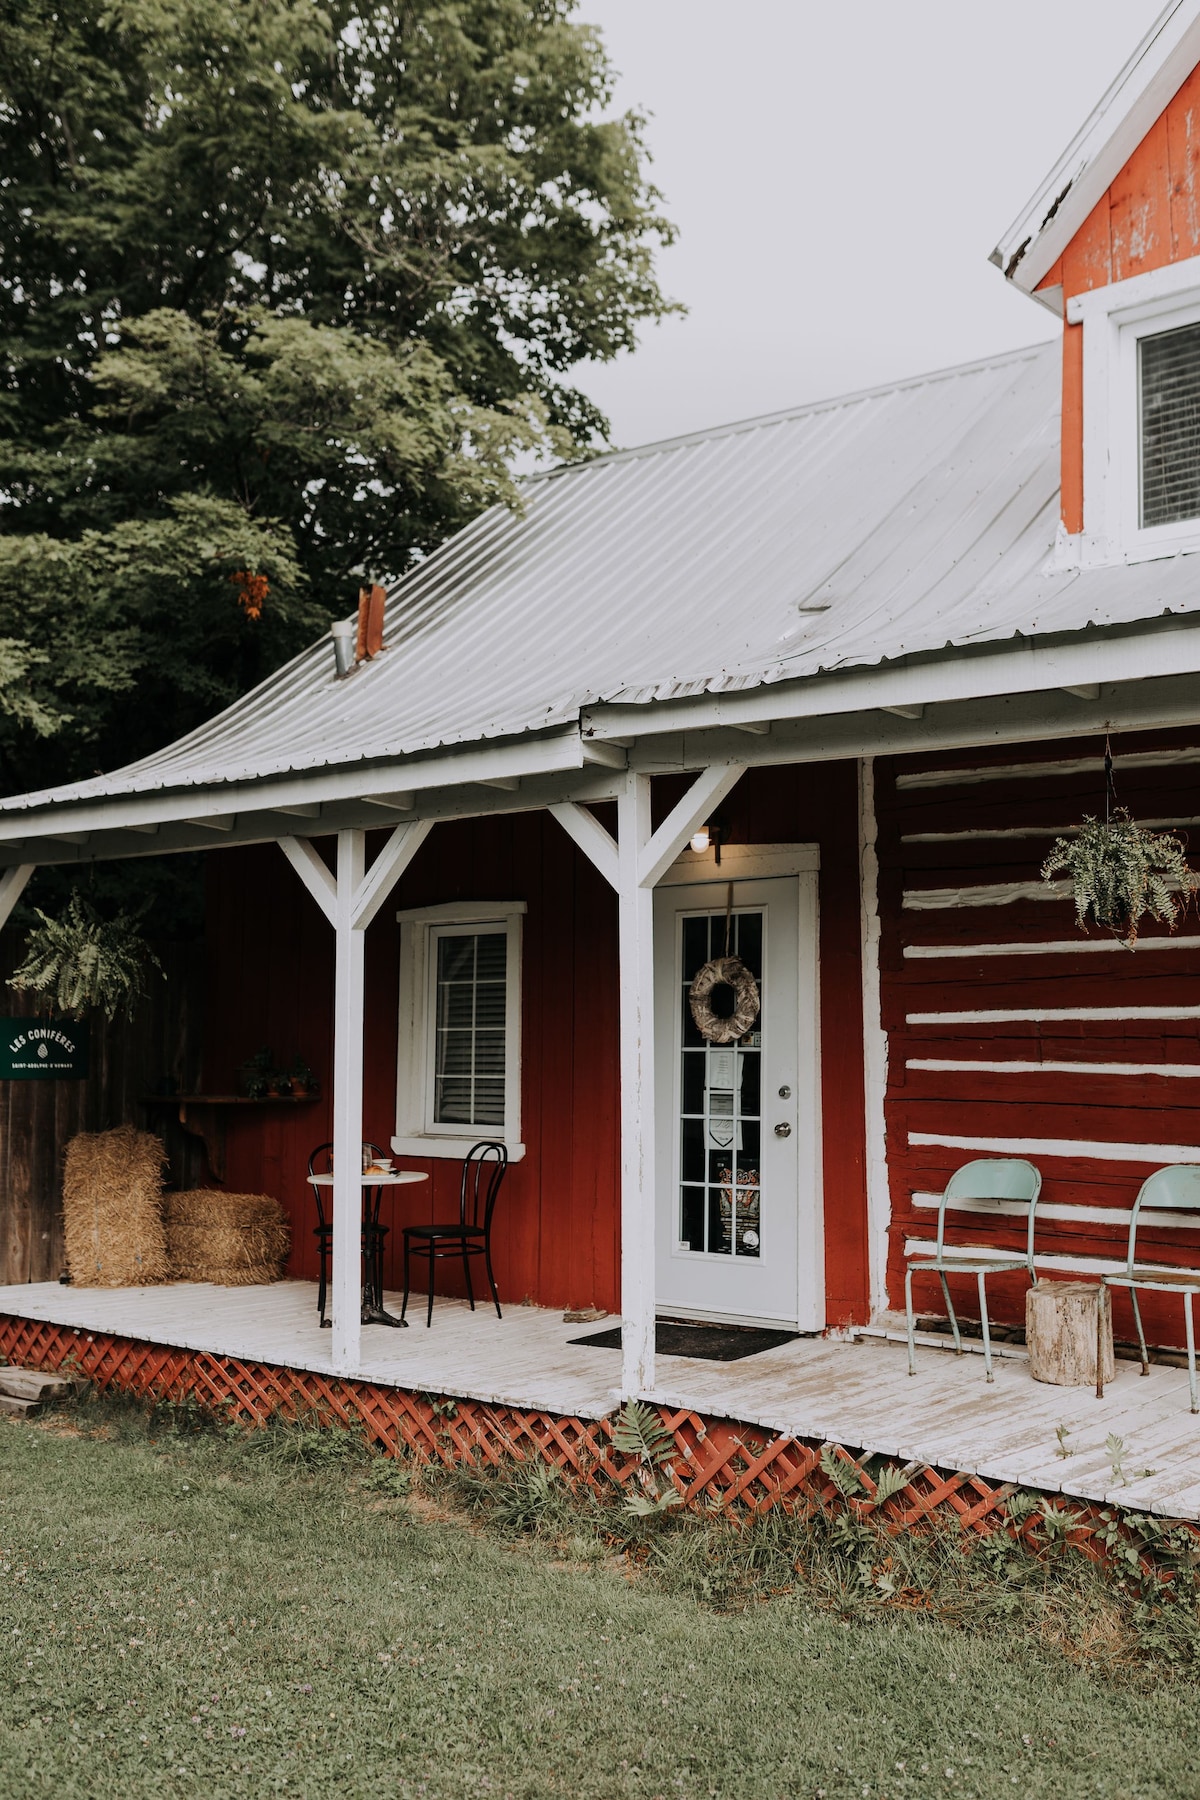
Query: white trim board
x=875 y=1040
x=1062 y=1212
x=1050 y=947
x=1096 y=1150
x=994 y=893
x=1115 y=318
x=741 y=862
x=1094 y=1265
x=965 y=1065
x=1038 y=1015
x=990 y=834
x=1028 y=771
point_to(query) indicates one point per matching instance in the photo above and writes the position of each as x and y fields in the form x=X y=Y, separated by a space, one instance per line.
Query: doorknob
x=783 y=1129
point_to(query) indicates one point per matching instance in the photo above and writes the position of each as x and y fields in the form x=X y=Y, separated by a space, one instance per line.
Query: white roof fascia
x=1144 y=653
x=1102 y=146
x=481 y=764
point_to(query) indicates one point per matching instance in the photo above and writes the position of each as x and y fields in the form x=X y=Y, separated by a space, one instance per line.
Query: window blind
x=1169 y=404
x=469 y=1029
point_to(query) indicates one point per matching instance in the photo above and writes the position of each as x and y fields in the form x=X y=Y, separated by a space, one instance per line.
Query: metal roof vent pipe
x=343 y=632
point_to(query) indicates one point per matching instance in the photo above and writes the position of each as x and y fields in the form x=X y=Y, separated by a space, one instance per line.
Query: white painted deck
x=854 y=1393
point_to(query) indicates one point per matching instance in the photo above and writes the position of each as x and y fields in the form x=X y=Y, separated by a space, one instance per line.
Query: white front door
x=738 y=1183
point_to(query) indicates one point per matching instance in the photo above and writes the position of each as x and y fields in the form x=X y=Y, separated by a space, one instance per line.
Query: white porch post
x=349 y=968
x=636 y=938
x=634 y=866
x=350 y=902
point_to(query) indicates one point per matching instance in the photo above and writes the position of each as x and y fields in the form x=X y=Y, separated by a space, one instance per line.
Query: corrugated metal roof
x=916 y=516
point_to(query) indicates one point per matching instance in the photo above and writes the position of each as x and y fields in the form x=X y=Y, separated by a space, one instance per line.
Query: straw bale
x=233 y=1240
x=112 y=1209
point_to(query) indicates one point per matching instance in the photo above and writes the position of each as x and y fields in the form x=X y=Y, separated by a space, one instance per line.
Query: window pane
x=1169 y=370
x=469 y=1037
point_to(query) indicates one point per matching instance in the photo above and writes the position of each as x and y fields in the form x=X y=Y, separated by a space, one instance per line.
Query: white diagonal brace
x=588 y=834
x=708 y=790
x=312 y=872
x=387 y=869
x=12 y=886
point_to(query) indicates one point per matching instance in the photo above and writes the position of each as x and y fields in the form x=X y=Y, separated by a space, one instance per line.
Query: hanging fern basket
x=81 y=963
x=1121 y=874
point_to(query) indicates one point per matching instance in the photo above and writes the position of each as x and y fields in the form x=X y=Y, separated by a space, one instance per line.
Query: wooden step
x=23 y=1409
x=35 y=1384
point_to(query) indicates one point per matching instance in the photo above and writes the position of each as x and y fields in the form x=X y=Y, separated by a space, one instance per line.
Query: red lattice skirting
x=719 y=1461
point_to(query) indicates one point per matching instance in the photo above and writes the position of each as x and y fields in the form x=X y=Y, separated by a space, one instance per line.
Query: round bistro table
x=373 y=1309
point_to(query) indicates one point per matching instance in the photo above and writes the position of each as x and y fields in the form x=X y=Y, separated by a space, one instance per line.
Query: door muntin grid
x=720 y=1092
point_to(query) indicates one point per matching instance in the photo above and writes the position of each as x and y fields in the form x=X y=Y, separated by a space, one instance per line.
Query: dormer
x=1111 y=243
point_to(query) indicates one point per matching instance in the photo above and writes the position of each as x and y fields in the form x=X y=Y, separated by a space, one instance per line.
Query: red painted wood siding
x=1149 y=217
x=1044 y=1104
x=271 y=963
x=270 y=960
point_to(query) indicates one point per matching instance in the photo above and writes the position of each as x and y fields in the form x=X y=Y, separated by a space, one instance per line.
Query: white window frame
x=420 y=928
x=1115 y=319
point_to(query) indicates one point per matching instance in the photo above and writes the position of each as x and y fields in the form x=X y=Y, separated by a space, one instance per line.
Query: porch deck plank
x=855 y=1393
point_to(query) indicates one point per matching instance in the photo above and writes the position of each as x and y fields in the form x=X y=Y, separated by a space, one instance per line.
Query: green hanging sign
x=43 y=1049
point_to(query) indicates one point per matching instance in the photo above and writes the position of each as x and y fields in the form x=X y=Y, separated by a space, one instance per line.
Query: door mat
x=710 y=1343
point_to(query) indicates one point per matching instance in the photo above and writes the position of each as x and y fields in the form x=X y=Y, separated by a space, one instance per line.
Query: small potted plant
x=301 y=1079
x=1120 y=872
x=254 y=1075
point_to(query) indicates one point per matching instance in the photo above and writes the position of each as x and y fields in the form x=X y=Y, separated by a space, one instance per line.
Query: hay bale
x=234 y=1240
x=112 y=1209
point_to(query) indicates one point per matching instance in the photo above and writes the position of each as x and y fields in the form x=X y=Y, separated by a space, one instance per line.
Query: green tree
x=285 y=286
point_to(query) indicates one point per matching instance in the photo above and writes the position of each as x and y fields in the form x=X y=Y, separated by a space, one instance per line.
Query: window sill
x=451 y=1147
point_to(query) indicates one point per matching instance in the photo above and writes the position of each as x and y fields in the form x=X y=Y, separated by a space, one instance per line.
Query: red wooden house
x=821 y=687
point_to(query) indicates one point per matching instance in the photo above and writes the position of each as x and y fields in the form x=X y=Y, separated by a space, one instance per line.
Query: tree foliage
x=284 y=288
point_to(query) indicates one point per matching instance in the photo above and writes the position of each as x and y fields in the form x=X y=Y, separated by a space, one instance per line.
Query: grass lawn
x=189 y=1616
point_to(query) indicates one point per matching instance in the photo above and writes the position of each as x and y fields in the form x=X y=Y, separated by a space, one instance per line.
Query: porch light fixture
x=343 y=634
x=708 y=834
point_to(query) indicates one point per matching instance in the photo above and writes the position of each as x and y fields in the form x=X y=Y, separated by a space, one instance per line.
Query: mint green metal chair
x=987 y=1178
x=1173 y=1189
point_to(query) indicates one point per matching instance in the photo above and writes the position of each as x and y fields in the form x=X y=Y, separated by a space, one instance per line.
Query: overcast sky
x=839 y=173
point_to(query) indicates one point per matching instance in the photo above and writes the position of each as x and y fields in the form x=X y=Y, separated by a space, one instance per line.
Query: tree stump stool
x=1066 y=1323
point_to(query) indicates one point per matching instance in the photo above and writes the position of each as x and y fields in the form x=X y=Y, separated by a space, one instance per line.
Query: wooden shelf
x=230 y=1099
x=201 y=1116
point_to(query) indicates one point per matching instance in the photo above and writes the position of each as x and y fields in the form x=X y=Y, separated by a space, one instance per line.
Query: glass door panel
x=720 y=1087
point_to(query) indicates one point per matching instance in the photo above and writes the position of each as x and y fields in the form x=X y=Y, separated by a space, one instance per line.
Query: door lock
x=783 y=1129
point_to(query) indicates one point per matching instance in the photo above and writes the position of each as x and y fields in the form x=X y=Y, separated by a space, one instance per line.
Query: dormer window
x=1169 y=413
x=1141 y=415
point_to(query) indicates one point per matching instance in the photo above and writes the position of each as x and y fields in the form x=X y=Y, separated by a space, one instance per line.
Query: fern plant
x=79 y=962
x=1120 y=872
x=638 y=1431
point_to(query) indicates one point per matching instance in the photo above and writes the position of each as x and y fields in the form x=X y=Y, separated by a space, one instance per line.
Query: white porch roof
x=827 y=547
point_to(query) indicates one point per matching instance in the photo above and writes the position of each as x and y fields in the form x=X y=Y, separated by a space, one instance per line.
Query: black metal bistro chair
x=373 y=1233
x=483 y=1170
